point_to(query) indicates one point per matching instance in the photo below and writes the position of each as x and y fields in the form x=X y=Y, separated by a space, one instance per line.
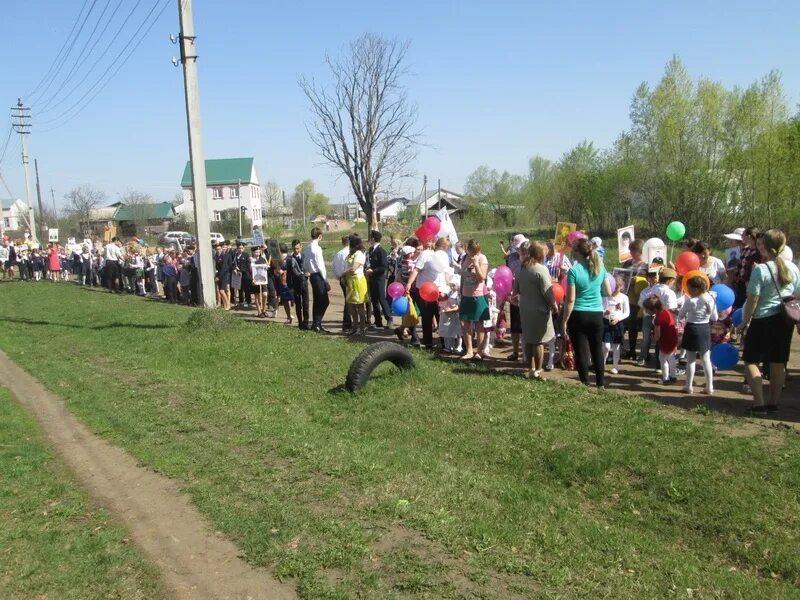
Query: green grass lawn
x=53 y=542
x=449 y=481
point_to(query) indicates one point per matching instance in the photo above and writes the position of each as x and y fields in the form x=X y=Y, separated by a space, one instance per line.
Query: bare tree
x=81 y=201
x=364 y=124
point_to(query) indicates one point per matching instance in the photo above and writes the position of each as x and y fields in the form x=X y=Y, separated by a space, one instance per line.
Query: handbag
x=790 y=306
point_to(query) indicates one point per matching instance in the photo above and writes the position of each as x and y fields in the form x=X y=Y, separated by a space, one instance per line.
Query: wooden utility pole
x=203 y=261
x=43 y=225
x=22 y=116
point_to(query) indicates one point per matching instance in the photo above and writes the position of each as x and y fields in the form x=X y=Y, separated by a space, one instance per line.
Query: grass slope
x=53 y=542
x=449 y=482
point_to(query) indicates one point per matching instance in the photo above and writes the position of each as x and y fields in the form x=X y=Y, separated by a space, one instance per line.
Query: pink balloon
x=503 y=276
x=432 y=225
x=423 y=235
x=574 y=236
x=396 y=290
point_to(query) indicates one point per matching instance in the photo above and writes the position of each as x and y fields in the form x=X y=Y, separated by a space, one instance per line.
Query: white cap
x=736 y=234
x=597 y=241
x=516 y=242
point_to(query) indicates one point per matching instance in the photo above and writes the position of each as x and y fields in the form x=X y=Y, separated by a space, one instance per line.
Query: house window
x=216 y=215
x=254 y=192
x=217 y=193
x=7 y=223
x=234 y=192
x=256 y=214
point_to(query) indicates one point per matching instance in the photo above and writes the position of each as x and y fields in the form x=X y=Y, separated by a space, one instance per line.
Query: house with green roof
x=231 y=183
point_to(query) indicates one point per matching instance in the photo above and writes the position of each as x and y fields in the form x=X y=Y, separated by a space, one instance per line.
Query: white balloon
x=441 y=261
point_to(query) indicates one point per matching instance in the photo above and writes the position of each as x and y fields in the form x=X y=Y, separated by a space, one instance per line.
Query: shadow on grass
x=115 y=325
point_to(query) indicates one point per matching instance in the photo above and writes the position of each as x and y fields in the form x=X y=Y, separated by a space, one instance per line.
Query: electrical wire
x=63 y=59
x=58 y=55
x=82 y=57
x=5 y=145
x=121 y=64
x=99 y=59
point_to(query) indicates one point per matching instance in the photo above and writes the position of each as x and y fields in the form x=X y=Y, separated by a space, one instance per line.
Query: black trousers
x=347 y=320
x=585 y=330
x=300 y=290
x=171 y=289
x=319 y=290
x=377 y=295
x=113 y=274
x=427 y=310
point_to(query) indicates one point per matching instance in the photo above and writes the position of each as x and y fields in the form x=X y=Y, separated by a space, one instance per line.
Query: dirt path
x=195 y=563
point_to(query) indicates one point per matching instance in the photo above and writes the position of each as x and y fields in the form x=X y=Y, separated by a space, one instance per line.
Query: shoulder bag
x=790 y=306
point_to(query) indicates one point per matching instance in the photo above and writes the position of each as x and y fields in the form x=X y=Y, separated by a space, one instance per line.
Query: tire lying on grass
x=370 y=357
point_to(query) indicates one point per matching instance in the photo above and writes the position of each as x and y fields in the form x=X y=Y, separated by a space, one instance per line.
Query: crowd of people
x=562 y=309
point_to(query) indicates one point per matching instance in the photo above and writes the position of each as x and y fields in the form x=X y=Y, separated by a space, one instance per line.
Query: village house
x=231 y=183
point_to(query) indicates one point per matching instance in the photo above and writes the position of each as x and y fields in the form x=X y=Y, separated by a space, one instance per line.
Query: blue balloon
x=400 y=306
x=724 y=356
x=737 y=318
x=725 y=296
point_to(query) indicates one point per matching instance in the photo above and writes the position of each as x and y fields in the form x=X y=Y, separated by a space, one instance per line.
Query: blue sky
x=495 y=82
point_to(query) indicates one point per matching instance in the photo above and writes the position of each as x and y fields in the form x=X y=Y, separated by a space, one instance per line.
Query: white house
x=389 y=210
x=15 y=214
x=231 y=183
x=441 y=198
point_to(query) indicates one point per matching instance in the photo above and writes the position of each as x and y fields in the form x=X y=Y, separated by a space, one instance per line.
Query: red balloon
x=558 y=293
x=429 y=292
x=687 y=261
x=423 y=235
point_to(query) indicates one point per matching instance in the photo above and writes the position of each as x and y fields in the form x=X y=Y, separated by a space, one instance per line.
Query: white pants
x=668 y=365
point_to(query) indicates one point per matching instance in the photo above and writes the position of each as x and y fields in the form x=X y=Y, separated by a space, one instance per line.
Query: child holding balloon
x=698 y=310
x=616 y=309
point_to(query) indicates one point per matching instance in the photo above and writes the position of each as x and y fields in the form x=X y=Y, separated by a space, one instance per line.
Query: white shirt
x=313 y=261
x=340 y=262
x=713 y=269
x=113 y=252
x=359 y=258
x=668 y=298
x=427 y=271
x=616 y=307
x=3 y=254
x=701 y=309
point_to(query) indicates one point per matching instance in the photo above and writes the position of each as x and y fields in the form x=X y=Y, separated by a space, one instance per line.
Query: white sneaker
x=614 y=371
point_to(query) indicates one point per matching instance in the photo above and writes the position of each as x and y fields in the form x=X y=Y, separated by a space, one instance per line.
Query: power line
x=102 y=54
x=78 y=105
x=81 y=59
x=5 y=145
x=58 y=55
x=63 y=59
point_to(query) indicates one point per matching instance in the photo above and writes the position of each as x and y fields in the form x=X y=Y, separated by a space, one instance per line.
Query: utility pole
x=53 y=196
x=194 y=125
x=43 y=225
x=22 y=115
x=304 y=206
x=239 y=196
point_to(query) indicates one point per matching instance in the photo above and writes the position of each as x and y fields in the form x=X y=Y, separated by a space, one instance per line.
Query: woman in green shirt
x=768 y=336
x=583 y=310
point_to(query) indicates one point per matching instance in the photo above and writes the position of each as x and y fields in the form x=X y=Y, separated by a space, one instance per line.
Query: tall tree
x=364 y=124
x=81 y=201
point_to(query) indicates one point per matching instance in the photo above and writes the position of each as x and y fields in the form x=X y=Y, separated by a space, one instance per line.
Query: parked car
x=217 y=237
x=175 y=238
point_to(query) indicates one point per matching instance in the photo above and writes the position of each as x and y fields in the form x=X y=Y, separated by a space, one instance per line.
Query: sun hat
x=667 y=273
x=596 y=241
x=516 y=242
x=736 y=234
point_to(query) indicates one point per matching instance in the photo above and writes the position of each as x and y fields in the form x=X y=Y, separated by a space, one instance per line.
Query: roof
x=6 y=203
x=384 y=204
x=161 y=211
x=220 y=171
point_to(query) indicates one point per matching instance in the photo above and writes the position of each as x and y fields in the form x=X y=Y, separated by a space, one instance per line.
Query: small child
x=616 y=309
x=698 y=310
x=285 y=293
x=666 y=337
x=449 y=322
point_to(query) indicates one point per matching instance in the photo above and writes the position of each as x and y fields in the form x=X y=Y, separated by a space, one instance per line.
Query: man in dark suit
x=377 y=261
x=241 y=266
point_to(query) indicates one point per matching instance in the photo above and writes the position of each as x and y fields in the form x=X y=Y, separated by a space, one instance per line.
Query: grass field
x=53 y=542
x=447 y=482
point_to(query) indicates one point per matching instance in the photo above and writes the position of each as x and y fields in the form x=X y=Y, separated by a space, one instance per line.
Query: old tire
x=370 y=357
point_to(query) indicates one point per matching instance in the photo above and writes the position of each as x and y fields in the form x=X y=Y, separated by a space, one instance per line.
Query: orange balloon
x=558 y=293
x=689 y=275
